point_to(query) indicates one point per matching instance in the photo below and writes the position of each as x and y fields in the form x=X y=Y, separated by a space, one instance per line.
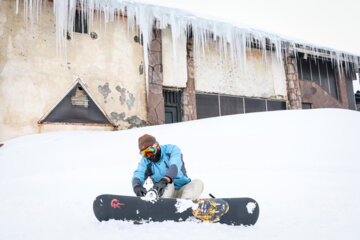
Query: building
x=97 y=76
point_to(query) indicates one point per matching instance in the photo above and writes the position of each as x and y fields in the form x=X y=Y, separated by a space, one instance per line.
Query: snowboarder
x=165 y=166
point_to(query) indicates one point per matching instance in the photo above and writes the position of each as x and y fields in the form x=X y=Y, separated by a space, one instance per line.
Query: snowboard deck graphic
x=231 y=211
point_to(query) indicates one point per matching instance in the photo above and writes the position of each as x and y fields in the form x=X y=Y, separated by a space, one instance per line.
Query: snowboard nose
x=100 y=209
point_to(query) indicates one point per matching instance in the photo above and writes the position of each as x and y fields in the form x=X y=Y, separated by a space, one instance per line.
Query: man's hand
x=161 y=185
x=140 y=191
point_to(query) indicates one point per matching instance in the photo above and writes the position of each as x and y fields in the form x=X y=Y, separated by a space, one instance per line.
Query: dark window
x=320 y=71
x=207 y=105
x=324 y=76
x=172 y=101
x=357 y=97
x=305 y=70
x=306 y=106
x=357 y=100
x=332 y=80
x=315 y=75
x=350 y=89
x=231 y=105
x=76 y=107
x=80 y=22
x=273 y=105
x=254 y=105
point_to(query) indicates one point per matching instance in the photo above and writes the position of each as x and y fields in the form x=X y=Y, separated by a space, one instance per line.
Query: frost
x=251 y=207
x=232 y=40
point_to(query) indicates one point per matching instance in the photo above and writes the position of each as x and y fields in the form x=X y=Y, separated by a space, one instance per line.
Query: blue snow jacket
x=170 y=164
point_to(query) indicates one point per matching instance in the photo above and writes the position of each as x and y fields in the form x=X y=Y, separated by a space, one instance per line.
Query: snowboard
x=231 y=211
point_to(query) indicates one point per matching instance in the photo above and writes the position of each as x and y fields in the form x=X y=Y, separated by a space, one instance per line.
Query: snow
x=151 y=196
x=183 y=204
x=329 y=24
x=232 y=32
x=251 y=207
x=302 y=167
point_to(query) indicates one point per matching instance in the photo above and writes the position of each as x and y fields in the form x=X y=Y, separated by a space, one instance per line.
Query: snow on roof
x=325 y=26
x=322 y=23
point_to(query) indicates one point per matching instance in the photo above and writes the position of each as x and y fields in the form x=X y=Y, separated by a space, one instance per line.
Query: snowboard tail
x=231 y=211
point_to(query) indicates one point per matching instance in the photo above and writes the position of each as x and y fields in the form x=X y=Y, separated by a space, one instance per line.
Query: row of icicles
x=232 y=42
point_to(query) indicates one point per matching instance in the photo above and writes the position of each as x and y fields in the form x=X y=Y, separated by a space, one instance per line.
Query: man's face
x=154 y=157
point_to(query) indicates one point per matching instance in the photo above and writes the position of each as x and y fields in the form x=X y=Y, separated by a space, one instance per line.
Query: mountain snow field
x=301 y=166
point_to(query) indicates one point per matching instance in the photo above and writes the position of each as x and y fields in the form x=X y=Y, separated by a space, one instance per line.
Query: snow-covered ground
x=303 y=168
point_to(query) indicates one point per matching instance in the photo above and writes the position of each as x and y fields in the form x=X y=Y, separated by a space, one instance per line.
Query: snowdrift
x=302 y=167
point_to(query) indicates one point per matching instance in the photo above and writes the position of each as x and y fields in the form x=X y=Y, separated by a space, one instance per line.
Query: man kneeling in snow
x=164 y=164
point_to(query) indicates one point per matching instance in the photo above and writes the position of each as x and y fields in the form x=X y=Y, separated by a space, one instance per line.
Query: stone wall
x=189 y=93
x=292 y=82
x=156 y=110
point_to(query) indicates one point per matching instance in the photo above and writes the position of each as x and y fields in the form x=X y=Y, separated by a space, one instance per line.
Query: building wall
x=174 y=67
x=318 y=98
x=266 y=79
x=33 y=78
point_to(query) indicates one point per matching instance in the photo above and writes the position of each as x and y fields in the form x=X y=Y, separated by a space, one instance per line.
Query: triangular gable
x=77 y=107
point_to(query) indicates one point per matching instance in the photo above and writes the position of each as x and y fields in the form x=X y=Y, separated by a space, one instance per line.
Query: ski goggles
x=149 y=151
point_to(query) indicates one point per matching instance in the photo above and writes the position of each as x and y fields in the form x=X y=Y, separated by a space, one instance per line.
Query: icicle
x=232 y=41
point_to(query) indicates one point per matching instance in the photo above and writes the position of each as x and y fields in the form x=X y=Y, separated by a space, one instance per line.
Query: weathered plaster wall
x=215 y=74
x=33 y=78
x=174 y=71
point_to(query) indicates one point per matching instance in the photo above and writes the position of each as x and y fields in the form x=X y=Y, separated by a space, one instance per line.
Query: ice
x=232 y=39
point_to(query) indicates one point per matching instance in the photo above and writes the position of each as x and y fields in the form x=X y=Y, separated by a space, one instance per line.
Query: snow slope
x=301 y=166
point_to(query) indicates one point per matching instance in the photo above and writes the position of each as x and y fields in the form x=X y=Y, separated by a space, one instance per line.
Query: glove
x=160 y=186
x=140 y=191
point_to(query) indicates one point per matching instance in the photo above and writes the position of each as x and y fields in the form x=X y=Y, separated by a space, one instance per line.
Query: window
x=231 y=105
x=80 y=22
x=207 y=105
x=320 y=71
x=172 y=101
x=273 y=105
x=254 y=105
x=306 y=106
x=213 y=105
